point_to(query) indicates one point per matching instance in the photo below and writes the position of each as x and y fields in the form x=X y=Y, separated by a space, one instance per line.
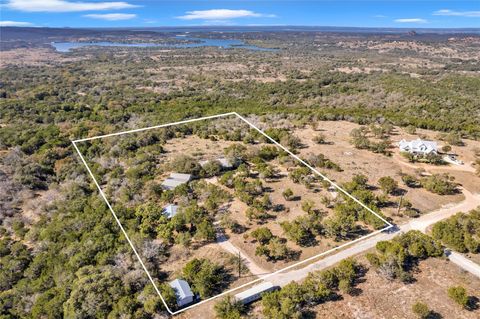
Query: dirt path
x=247 y=261
x=471 y=201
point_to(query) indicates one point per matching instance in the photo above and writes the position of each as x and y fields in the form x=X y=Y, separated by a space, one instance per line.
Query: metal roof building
x=255 y=292
x=182 y=291
x=170 y=210
x=175 y=179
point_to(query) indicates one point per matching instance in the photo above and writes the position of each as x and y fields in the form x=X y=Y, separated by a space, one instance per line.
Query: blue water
x=199 y=42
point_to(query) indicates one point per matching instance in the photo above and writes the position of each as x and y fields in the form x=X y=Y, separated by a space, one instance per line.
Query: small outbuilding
x=170 y=210
x=255 y=293
x=175 y=180
x=182 y=291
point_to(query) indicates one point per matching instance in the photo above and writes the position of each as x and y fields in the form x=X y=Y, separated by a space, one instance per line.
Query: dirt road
x=471 y=201
x=249 y=263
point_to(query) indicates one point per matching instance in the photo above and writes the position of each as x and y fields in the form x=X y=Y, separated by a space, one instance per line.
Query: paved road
x=471 y=202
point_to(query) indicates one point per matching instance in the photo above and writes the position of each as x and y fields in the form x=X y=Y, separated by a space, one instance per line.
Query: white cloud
x=411 y=20
x=222 y=15
x=451 y=13
x=111 y=16
x=15 y=24
x=65 y=6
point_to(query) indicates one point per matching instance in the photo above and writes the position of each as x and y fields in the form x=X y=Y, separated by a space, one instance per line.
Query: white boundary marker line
x=255 y=280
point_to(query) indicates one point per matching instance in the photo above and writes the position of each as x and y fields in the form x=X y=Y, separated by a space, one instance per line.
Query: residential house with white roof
x=182 y=291
x=418 y=147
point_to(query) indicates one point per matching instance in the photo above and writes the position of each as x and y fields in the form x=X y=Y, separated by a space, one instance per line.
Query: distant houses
x=182 y=291
x=175 y=179
x=255 y=293
x=418 y=147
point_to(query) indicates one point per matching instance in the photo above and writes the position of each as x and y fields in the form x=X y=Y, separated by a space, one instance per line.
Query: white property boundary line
x=255 y=280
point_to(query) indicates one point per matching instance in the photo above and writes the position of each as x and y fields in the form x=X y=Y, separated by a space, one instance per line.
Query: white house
x=182 y=291
x=254 y=293
x=175 y=179
x=170 y=210
x=418 y=146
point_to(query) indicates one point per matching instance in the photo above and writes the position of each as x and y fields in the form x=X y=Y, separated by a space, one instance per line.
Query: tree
x=211 y=168
x=421 y=310
x=204 y=276
x=320 y=139
x=186 y=164
x=459 y=295
x=388 y=184
x=446 y=148
x=277 y=249
x=307 y=206
x=410 y=181
x=229 y=308
x=288 y=194
x=94 y=292
x=205 y=231
x=440 y=184
x=262 y=235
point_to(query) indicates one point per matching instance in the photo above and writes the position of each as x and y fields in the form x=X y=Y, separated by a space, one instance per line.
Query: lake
x=199 y=42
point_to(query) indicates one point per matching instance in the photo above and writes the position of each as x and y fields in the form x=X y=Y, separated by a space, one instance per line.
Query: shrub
x=288 y=194
x=388 y=184
x=229 y=308
x=205 y=277
x=440 y=184
x=421 y=310
x=459 y=295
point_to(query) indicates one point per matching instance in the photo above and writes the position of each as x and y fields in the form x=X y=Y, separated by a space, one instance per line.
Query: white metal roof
x=170 y=210
x=182 y=288
x=264 y=286
x=418 y=145
x=180 y=177
x=172 y=183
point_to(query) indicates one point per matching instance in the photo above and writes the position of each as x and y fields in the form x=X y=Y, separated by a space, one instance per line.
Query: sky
x=157 y=13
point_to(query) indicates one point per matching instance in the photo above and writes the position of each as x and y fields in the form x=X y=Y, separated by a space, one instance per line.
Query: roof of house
x=176 y=179
x=182 y=288
x=225 y=162
x=172 y=183
x=418 y=145
x=170 y=210
x=265 y=286
x=180 y=177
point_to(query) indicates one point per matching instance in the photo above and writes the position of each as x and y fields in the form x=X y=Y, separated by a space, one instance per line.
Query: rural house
x=418 y=147
x=175 y=179
x=182 y=291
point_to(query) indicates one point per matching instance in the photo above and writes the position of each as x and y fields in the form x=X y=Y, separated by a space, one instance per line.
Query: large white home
x=418 y=147
x=182 y=291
